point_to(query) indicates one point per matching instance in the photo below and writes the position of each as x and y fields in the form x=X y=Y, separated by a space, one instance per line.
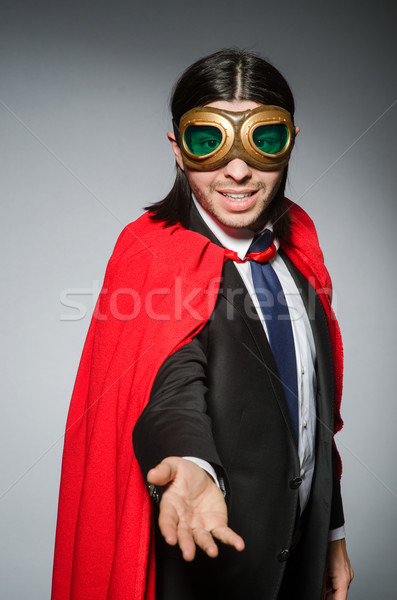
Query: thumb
x=163 y=473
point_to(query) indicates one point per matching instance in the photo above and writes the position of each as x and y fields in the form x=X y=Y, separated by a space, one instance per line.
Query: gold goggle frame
x=237 y=130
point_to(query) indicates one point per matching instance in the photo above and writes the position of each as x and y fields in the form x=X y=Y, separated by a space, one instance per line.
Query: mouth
x=238 y=201
x=237 y=197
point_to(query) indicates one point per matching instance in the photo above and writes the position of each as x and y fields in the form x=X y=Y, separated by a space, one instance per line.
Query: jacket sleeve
x=175 y=422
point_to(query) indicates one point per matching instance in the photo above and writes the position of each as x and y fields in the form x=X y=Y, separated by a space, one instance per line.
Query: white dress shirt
x=239 y=240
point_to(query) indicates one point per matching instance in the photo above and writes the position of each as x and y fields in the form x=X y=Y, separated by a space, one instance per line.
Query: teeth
x=238 y=196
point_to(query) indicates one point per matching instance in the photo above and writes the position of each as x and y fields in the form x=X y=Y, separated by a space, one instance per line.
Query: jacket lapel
x=231 y=286
x=324 y=363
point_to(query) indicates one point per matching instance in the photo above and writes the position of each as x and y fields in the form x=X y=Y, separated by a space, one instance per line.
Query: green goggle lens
x=271 y=139
x=201 y=140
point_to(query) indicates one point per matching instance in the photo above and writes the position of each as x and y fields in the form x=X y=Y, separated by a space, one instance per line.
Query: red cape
x=160 y=289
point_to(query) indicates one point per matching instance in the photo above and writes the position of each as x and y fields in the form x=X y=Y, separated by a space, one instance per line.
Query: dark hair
x=225 y=75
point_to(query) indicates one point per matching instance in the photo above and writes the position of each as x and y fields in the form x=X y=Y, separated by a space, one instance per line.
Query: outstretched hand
x=192 y=508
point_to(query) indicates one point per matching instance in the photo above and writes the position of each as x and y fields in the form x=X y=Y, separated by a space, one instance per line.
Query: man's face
x=236 y=195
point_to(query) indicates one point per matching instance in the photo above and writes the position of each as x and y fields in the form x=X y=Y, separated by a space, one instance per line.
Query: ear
x=297 y=130
x=176 y=150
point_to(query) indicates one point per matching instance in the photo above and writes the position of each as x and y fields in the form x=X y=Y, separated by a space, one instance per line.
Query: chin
x=236 y=220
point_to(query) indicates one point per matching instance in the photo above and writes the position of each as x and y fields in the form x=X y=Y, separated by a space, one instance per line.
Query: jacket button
x=283 y=555
x=295 y=483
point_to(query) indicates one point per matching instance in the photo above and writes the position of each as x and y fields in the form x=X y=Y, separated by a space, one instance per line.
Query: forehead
x=234 y=105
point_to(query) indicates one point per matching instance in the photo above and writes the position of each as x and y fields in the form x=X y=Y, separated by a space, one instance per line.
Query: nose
x=237 y=169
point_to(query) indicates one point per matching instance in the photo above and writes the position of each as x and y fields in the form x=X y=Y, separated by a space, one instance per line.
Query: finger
x=186 y=541
x=341 y=594
x=328 y=592
x=168 y=522
x=162 y=473
x=205 y=541
x=229 y=537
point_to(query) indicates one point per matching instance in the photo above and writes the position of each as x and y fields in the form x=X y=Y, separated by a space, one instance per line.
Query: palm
x=192 y=508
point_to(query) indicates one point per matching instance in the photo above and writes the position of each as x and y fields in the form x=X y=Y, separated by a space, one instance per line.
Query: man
x=228 y=372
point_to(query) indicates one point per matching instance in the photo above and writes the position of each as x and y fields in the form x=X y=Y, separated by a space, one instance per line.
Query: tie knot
x=261 y=250
x=262 y=242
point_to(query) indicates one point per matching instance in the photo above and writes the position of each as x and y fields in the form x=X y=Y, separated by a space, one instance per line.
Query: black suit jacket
x=219 y=398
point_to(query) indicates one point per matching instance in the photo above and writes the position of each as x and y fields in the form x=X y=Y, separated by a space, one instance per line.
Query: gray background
x=83 y=116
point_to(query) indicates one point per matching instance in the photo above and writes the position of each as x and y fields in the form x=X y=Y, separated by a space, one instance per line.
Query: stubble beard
x=254 y=221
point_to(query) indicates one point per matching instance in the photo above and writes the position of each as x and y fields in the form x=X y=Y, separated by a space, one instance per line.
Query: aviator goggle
x=210 y=137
